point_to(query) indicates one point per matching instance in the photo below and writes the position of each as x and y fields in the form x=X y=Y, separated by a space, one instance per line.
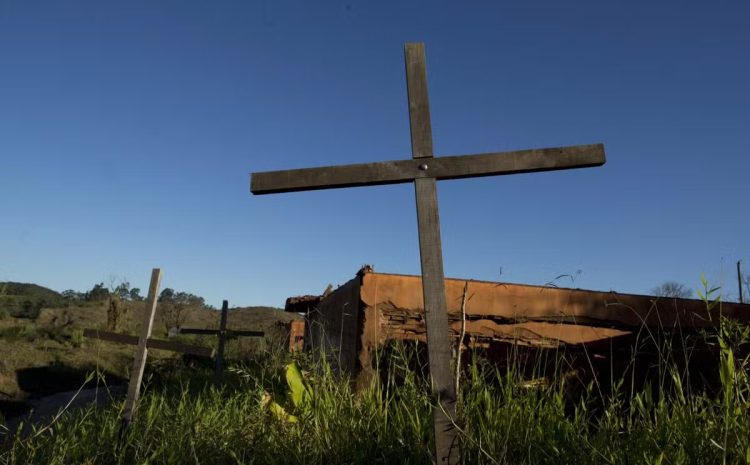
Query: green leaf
x=281 y=413
x=727 y=369
x=276 y=408
x=298 y=390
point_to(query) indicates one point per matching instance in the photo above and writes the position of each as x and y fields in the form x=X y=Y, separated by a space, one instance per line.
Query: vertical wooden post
x=141 y=351
x=739 y=279
x=222 y=340
x=431 y=255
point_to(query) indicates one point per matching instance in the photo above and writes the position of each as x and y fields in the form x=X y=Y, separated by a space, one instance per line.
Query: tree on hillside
x=118 y=294
x=135 y=294
x=174 y=306
x=121 y=290
x=98 y=293
x=167 y=294
x=672 y=289
x=73 y=296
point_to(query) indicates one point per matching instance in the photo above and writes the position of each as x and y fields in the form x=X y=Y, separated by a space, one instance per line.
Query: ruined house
x=350 y=322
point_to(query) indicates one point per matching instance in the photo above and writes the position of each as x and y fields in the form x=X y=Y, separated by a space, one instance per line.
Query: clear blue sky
x=128 y=131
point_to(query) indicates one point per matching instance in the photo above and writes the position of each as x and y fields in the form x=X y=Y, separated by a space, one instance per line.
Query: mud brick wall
x=351 y=322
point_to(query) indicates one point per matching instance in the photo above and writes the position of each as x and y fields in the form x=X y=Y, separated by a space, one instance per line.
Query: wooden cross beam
x=151 y=343
x=424 y=170
x=143 y=343
x=224 y=334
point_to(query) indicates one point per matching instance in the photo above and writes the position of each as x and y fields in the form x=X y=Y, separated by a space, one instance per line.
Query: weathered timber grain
x=139 y=364
x=229 y=333
x=431 y=256
x=198 y=331
x=420 y=124
x=440 y=168
x=222 y=341
x=150 y=343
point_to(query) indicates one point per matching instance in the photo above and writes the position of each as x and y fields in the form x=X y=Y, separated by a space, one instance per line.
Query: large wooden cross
x=424 y=170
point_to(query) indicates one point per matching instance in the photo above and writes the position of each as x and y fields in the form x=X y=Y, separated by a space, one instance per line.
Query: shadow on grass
x=51 y=379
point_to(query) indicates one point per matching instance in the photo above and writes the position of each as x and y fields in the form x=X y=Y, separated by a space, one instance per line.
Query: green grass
x=55 y=335
x=502 y=418
x=183 y=419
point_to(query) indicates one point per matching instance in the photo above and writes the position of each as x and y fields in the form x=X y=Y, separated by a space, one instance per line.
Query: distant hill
x=25 y=299
x=28 y=290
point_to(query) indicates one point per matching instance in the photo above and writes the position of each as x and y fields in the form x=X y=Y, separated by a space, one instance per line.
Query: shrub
x=76 y=338
x=24 y=331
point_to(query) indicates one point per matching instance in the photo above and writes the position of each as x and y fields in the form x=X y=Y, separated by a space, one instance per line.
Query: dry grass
x=55 y=338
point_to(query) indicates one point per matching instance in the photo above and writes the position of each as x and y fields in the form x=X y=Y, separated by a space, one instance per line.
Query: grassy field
x=502 y=419
x=267 y=414
x=44 y=349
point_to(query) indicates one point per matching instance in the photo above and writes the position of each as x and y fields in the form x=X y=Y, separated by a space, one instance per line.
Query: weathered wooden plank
x=245 y=333
x=139 y=363
x=198 y=331
x=230 y=333
x=334 y=328
x=739 y=279
x=150 y=343
x=420 y=124
x=436 y=321
x=431 y=256
x=222 y=341
x=440 y=168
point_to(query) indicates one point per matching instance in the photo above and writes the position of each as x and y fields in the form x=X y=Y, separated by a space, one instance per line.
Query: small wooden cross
x=143 y=343
x=224 y=334
x=423 y=169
